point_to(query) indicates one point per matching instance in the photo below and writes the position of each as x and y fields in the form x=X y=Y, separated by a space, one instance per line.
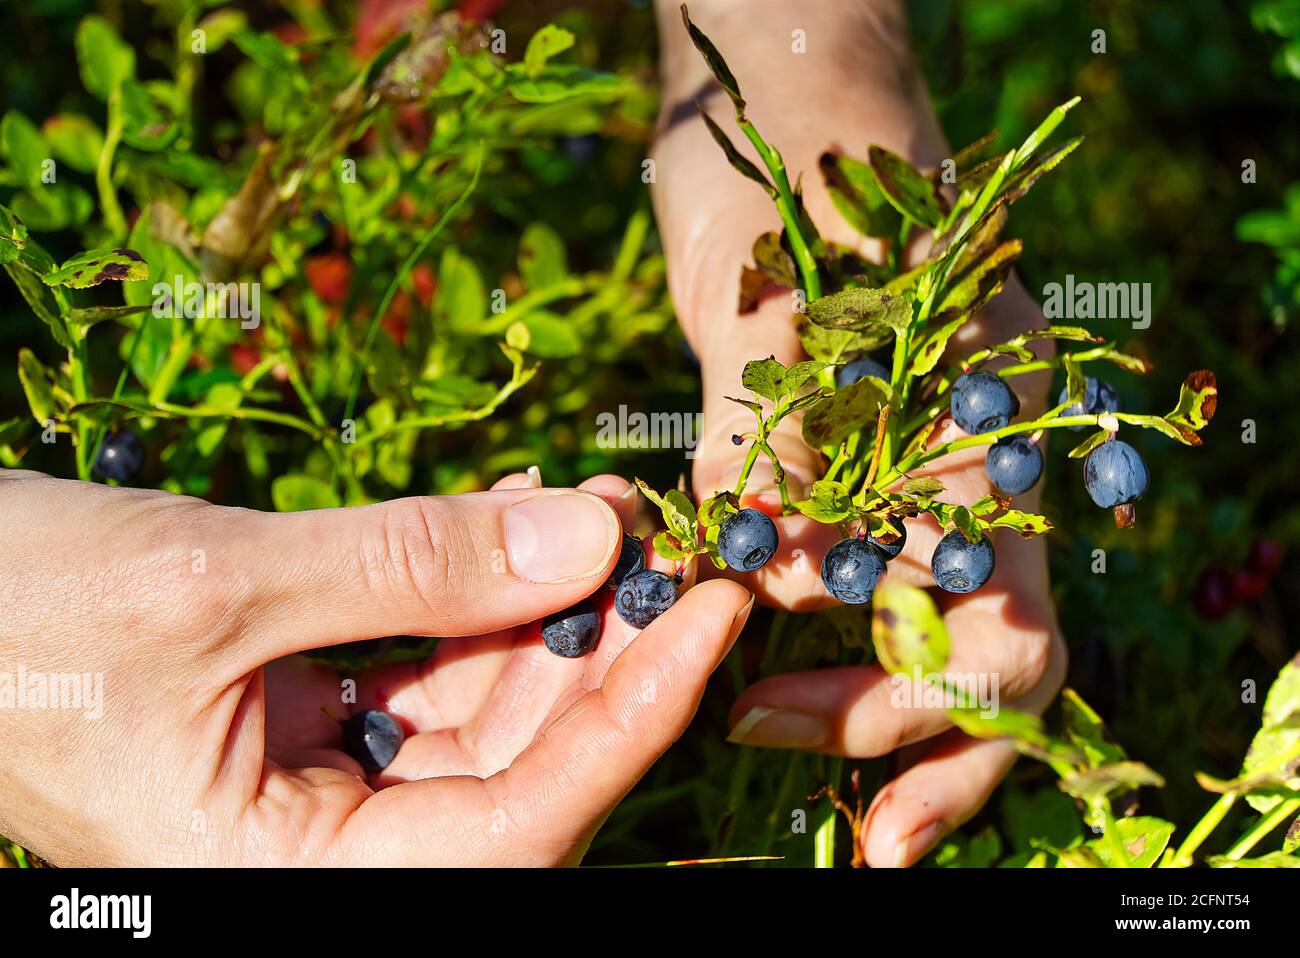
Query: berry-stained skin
x=121 y=456
x=850 y=373
x=851 y=569
x=747 y=540
x=643 y=597
x=631 y=559
x=1098 y=396
x=960 y=565
x=1114 y=474
x=574 y=632
x=982 y=402
x=892 y=549
x=373 y=739
x=1014 y=464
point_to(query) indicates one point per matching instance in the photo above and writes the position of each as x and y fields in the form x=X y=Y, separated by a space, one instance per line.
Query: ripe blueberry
x=631 y=559
x=1014 y=464
x=573 y=632
x=1098 y=396
x=982 y=402
x=372 y=738
x=747 y=539
x=850 y=373
x=850 y=570
x=644 y=596
x=120 y=456
x=959 y=565
x=1114 y=474
x=892 y=549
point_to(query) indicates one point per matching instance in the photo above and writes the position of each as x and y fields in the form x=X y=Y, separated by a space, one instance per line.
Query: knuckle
x=422 y=553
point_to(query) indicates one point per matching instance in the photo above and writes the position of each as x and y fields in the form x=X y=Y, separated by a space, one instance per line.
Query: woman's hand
x=855 y=86
x=214 y=744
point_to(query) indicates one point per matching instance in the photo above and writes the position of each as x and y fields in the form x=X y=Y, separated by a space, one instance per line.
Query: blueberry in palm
x=859 y=368
x=747 y=540
x=850 y=570
x=1114 y=474
x=120 y=457
x=1014 y=464
x=573 y=632
x=1098 y=396
x=982 y=402
x=631 y=558
x=644 y=596
x=372 y=738
x=959 y=565
x=890 y=550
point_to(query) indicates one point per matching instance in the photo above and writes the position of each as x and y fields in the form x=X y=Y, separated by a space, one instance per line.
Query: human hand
x=860 y=88
x=214 y=746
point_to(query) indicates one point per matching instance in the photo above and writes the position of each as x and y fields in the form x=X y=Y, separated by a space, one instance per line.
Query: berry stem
x=1201 y=831
x=1262 y=827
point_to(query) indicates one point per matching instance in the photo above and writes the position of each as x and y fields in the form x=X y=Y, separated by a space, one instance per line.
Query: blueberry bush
x=447 y=224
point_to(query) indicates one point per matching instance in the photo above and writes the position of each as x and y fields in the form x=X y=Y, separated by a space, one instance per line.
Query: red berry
x=1212 y=595
x=1264 y=558
x=1248 y=586
x=329 y=275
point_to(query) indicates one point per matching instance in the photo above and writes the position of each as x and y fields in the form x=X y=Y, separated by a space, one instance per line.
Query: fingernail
x=917 y=845
x=737 y=626
x=778 y=728
x=534 y=477
x=560 y=537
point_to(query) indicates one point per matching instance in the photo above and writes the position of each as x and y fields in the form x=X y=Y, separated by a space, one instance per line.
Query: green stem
x=433 y=422
x=787 y=208
x=114 y=221
x=1117 y=850
x=1201 y=831
x=824 y=839
x=1260 y=830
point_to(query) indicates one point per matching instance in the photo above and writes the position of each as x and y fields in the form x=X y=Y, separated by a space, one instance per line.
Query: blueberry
x=120 y=457
x=959 y=565
x=851 y=569
x=747 y=539
x=850 y=373
x=573 y=632
x=1114 y=474
x=631 y=559
x=1098 y=396
x=892 y=549
x=1014 y=464
x=644 y=596
x=982 y=402
x=372 y=738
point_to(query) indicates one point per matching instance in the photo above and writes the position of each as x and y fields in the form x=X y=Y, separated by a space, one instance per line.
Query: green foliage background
x=1186 y=91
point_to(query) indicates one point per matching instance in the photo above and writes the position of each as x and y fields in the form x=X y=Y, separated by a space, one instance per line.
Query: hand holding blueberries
x=218 y=745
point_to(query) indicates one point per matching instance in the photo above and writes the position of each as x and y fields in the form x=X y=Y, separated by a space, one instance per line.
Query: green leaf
x=909 y=192
x=53 y=206
x=148 y=122
x=932 y=348
x=96 y=266
x=829 y=501
x=542 y=259
x=773 y=261
x=1271 y=860
x=834 y=345
x=40 y=299
x=1198 y=398
x=717 y=507
x=1085 y=729
x=862 y=310
x=461 y=297
x=1089 y=444
x=1020 y=182
x=1026 y=524
x=91 y=315
x=923 y=487
x=550 y=335
x=298 y=493
x=669 y=546
x=678 y=511
x=37 y=382
x=1275 y=749
x=837 y=416
x=24 y=147
x=13 y=236
x=559 y=82
x=1025 y=730
x=857 y=196
x=106 y=61
x=74 y=139
x=1144 y=839
x=907 y=630
x=547 y=42
x=1044 y=130
x=739 y=162
x=1096 y=784
x=763 y=377
x=714 y=61
x=981 y=280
